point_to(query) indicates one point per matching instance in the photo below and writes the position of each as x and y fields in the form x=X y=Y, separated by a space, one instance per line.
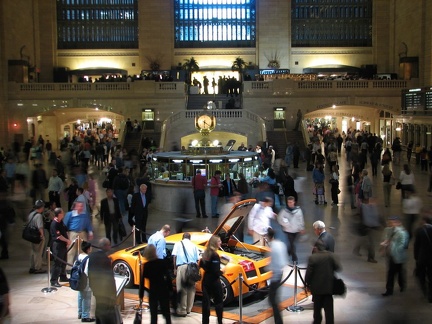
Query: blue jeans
x=84 y=303
x=214 y=201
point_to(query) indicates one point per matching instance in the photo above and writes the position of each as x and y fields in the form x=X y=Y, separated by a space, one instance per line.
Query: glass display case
x=176 y=166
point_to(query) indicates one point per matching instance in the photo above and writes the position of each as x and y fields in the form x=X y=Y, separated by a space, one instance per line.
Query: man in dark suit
x=101 y=281
x=110 y=214
x=422 y=255
x=323 y=235
x=319 y=279
x=138 y=213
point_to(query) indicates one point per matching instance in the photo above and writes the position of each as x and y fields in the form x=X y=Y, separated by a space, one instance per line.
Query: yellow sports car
x=237 y=257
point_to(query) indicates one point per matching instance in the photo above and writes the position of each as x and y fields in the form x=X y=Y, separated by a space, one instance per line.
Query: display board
x=417 y=101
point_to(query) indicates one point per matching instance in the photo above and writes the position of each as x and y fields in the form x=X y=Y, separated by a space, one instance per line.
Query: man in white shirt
x=259 y=220
x=184 y=252
x=55 y=187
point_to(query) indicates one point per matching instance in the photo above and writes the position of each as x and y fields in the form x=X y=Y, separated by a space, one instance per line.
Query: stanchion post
x=240 y=280
x=133 y=232
x=295 y=307
x=49 y=289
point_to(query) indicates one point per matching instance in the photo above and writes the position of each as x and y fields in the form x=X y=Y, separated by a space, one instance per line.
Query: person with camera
x=35 y=219
x=184 y=252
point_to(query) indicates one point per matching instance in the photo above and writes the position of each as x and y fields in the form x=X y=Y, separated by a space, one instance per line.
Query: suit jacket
x=233 y=187
x=101 y=276
x=328 y=240
x=423 y=244
x=104 y=210
x=320 y=272
x=138 y=210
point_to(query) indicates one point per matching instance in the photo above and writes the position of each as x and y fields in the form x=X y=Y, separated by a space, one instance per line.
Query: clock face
x=205 y=122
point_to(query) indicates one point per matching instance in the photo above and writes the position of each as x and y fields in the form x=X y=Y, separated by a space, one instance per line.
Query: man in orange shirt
x=199 y=183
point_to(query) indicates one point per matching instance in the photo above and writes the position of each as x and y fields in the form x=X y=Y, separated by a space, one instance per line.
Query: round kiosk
x=172 y=173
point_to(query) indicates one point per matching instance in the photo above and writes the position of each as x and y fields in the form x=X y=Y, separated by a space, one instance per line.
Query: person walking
x=319 y=279
x=84 y=296
x=110 y=215
x=292 y=222
x=156 y=271
x=211 y=285
x=387 y=183
x=55 y=188
x=395 y=243
x=102 y=283
x=60 y=242
x=422 y=256
x=138 y=213
x=366 y=187
x=334 y=182
x=35 y=219
x=158 y=240
x=411 y=208
x=406 y=178
x=229 y=186
x=259 y=220
x=324 y=236
x=215 y=187
x=368 y=223
x=199 y=183
x=278 y=262
x=184 y=252
x=79 y=226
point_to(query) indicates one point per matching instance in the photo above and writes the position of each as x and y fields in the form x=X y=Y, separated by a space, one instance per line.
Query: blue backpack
x=78 y=279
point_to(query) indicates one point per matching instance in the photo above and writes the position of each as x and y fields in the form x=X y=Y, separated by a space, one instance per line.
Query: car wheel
x=122 y=268
x=227 y=292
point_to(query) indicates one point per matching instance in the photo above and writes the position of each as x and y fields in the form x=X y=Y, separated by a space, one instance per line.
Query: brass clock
x=205 y=123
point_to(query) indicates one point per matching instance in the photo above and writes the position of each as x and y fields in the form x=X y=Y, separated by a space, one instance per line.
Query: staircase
x=279 y=140
x=132 y=141
x=199 y=101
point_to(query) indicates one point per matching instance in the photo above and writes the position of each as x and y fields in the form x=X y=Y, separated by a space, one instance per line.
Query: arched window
x=215 y=23
x=97 y=24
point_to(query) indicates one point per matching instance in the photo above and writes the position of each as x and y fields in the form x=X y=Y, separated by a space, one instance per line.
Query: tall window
x=215 y=23
x=331 y=23
x=96 y=24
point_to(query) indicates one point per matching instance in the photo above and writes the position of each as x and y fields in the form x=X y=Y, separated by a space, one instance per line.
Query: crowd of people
x=128 y=193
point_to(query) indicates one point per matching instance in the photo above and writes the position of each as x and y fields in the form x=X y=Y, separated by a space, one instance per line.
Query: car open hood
x=233 y=220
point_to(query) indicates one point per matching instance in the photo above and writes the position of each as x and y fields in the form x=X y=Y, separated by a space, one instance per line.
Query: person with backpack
x=84 y=296
x=184 y=252
x=60 y=242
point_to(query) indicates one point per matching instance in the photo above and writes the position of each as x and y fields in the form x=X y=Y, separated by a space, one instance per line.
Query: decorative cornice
x=202 y=51
x=331 y=51
x=92 y=53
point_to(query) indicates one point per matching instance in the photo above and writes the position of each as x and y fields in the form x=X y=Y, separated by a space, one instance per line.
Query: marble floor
x=365 y=281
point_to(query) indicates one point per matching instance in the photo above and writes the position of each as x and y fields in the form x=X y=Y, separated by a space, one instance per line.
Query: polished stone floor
x=365 y=281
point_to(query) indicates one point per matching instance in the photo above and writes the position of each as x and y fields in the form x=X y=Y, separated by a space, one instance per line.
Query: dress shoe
x=88 y=319
x=63 y=279
x=387 y=294
x=372 y=261
x=31 y=270
x=55 y=284
x=198 y=216
x=205 y=216
x=175 y=314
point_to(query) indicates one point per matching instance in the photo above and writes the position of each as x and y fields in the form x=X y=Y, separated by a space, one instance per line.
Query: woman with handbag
x=406 y=179
x=212 y=287
x=388 y=181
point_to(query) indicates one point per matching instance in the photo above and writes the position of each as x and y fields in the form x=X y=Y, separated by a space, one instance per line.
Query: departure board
x=428 y=99
x=412 y=99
